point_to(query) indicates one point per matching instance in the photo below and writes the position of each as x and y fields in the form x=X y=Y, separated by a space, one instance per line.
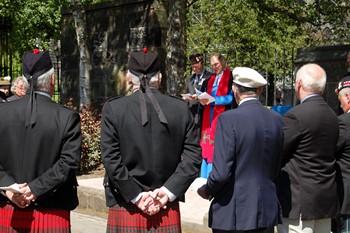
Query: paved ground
x=193 y=212
x=83 y=223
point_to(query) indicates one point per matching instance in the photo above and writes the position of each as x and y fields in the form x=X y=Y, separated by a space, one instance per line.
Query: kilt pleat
x=127 y=218
x=33 y=220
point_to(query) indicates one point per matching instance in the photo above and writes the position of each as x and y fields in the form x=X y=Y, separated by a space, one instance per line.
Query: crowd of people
x=262 y=172
x=270 y=175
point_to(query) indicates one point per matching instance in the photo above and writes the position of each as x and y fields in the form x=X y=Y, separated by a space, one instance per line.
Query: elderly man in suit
x=19 y=88
x=40 y=145
x=343 y=157
x=248 y=143
x=307 y=187
x=150 y=150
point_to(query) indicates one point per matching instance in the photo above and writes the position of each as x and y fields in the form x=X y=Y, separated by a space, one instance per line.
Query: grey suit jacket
x=306 y=185
x=190 y=88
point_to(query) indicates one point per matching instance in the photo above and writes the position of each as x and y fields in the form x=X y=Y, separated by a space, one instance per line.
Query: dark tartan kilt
x=33 y=220
x=128 y=217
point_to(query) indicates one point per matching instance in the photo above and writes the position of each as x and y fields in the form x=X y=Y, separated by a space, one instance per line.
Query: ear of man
x=53 y=79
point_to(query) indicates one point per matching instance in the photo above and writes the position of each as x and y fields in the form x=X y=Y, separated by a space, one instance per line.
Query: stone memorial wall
x=113 y=30
x=330 y=58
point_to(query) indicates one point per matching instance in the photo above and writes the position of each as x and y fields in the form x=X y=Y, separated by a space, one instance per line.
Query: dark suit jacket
x=2 y=97
x=194 y=104
x=12 y=98
x=307 y=184
x=139 y=158
x=248 y=143
x=343 y=162
x=46 y=155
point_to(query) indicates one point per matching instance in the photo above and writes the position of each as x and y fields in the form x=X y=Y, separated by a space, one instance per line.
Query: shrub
x=90 y=130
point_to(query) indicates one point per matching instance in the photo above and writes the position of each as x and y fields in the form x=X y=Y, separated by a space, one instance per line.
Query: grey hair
x=344 y=91
x=313 y=78
x=16 y=82
x=218 y=56
x=44 y=81
x=135 y=79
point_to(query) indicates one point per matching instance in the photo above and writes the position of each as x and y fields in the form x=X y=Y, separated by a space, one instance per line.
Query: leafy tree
x=176 y=46
x=85 y=56
x=255 y=32
x=33 y=22
x=234 y=27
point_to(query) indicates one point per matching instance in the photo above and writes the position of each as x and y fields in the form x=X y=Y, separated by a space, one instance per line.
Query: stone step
x=193 y=211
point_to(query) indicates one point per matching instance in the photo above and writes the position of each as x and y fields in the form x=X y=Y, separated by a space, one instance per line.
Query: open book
x=205 y=95
x=187 y=96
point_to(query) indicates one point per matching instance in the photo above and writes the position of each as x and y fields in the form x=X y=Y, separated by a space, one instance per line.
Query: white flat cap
x=248 y=77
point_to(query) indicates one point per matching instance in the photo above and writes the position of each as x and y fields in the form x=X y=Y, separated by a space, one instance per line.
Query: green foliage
x=224 y=26
x=90 y=129
x=255 y=32
x=33 y=22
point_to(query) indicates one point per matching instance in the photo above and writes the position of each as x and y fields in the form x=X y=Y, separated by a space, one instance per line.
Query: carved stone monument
x=113 y=30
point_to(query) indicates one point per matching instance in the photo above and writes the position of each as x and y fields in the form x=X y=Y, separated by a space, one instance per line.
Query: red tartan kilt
x=127 y=217
x=33 y=220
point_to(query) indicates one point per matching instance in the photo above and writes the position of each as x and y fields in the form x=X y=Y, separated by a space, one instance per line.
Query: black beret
x=195 y=58
x=36 y=64
x=144 y=62
x=345 y=82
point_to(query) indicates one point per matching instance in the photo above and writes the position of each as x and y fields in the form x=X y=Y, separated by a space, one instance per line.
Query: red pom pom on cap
x=36 y=51
x=145 y=50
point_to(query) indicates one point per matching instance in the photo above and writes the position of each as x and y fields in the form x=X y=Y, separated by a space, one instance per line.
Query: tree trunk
x=84 y=58
x=176 y=45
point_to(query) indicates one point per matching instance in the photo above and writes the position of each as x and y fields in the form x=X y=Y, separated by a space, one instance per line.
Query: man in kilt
x=150 y=150
x=40 y=145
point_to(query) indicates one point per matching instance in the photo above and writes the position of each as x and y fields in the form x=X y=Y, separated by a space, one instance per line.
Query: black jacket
x=138 y=158
x=343 y=163
x=45 y=155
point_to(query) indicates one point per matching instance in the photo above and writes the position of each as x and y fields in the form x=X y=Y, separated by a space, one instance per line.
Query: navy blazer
x=248 y=143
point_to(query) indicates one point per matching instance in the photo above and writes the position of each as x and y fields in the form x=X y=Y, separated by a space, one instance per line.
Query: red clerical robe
x=208 y=127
